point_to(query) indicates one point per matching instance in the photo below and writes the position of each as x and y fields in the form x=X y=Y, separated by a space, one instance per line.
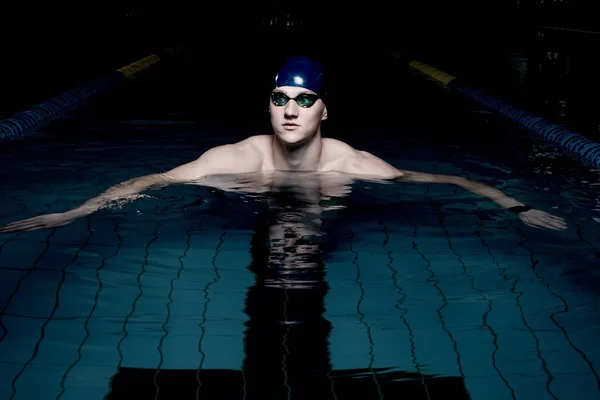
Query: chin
x=291 y=138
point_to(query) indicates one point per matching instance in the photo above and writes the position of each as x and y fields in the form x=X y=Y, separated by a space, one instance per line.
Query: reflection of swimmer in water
x=290 y=235
x=297 y=108
x=292 y=259
x=286 y=343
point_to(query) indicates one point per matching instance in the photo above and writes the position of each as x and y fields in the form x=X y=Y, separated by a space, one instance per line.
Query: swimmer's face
x=292 y=122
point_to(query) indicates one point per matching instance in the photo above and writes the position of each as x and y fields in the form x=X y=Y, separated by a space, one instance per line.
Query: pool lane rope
x=26 y=122
x=570 y=143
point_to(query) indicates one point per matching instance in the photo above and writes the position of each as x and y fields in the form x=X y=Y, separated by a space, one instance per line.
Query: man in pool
x=297 y=109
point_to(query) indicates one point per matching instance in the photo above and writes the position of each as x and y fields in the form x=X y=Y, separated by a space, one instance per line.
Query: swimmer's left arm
x=472 y=186
x=530 y=216
x=368 y=164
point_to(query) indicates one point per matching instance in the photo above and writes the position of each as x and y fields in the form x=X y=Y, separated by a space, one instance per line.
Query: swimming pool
x=424 y=291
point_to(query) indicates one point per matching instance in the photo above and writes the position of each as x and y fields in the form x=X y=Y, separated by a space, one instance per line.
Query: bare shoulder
x=240 y=157
x=342 y=157
x=262 y=143
x=336 y=146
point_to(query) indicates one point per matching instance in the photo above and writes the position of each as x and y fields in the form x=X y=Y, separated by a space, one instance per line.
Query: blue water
x=425 y=291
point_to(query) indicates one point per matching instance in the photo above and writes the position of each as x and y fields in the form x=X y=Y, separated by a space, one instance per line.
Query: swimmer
x=297 y=109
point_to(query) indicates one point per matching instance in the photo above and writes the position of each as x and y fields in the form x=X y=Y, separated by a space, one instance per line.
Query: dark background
x=536 y=54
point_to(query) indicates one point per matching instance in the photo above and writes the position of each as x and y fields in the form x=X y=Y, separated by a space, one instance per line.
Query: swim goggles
x=305 y=100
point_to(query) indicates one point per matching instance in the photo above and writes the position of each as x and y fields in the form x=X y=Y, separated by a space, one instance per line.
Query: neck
x=301 y=157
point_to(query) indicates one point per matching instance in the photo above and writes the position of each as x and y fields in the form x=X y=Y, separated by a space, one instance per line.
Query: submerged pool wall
x=27 y=122
x=568 y=142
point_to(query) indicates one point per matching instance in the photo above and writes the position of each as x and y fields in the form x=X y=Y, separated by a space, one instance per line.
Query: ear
x=324 y=114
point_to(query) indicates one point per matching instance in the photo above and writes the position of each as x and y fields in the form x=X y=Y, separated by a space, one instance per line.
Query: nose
x=291 y=109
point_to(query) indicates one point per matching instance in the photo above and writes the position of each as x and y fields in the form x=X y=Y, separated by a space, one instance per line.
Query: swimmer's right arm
x=207 y=164
x=221 y=159
x=214 y=161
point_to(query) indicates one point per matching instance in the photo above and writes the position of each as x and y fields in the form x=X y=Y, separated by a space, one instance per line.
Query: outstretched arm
x=119 y=191
x=472 y=186
x=370 y=165
x=220 y=159
x=530 y=216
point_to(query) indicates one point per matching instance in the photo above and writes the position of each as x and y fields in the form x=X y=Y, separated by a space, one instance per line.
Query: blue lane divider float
x=587 y=151
x=570 y=143
x=26 y=122
x=41 y=114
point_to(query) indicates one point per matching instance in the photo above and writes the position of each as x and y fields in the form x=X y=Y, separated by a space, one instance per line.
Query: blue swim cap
x=301 y=72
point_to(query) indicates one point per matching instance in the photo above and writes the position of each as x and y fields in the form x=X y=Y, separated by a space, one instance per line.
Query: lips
x=290 y=126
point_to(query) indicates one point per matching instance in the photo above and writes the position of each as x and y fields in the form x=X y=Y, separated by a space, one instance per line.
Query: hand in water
x=40 y=222
x=541 y=219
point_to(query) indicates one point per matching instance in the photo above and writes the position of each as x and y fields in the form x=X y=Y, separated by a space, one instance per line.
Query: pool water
x=356 y=290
